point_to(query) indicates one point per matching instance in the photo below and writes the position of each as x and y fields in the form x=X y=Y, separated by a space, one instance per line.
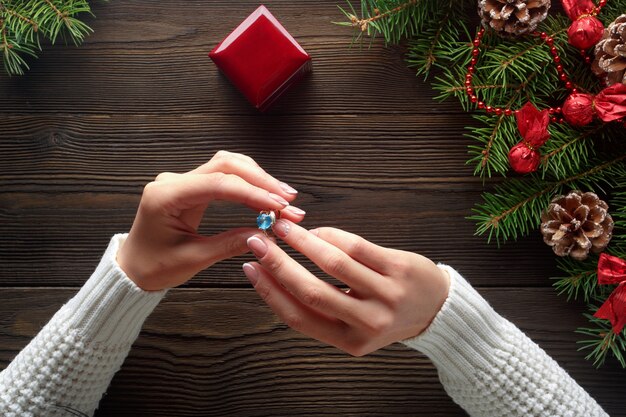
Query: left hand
x=164 y=248
x=394 y=295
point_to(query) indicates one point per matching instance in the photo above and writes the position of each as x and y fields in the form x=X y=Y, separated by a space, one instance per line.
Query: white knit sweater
x=486 y=364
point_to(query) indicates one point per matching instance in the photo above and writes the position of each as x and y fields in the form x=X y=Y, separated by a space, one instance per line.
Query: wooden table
x=361 y=139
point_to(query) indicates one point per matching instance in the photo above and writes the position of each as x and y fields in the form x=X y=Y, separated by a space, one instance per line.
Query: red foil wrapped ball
x=578 y=109
x=585 y=32
x=523 y=160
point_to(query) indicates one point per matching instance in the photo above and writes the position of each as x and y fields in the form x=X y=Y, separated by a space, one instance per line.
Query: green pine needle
x=601 y=341
x=24 y=23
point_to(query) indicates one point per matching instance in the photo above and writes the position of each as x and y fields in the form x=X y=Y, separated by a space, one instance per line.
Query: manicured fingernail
x=279 y=199
x=251 y=273
x=281 y=228
x=257 y=246
x=316 y=232
x=295 y=210
x=287 y=188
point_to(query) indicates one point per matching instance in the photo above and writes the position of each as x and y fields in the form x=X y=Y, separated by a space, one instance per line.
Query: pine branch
x=442 y=33
x=495 y=137
x=24 y=23
x=515 y=207
x=568 y=149
x=394 y=19
x=603 y=341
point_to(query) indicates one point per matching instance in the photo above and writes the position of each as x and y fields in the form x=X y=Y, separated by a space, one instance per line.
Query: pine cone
x=513 y=17
x=610 y=52
x=577 y=223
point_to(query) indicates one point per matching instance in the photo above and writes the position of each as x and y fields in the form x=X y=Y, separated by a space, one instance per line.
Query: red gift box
x=261 y=58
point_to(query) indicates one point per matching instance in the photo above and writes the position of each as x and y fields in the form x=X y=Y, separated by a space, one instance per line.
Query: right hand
x=394 y=295
x=164 y=249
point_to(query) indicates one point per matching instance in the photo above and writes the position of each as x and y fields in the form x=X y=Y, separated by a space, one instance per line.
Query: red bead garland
x=471 y=69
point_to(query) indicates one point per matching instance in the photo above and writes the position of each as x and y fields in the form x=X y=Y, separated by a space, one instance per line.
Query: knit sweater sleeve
x=67 y=367
x=491 y=368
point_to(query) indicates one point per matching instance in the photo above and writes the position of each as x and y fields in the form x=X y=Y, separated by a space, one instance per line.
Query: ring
x=266 y=219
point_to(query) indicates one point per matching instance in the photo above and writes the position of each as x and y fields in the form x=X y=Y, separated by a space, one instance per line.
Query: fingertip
x=251 y=273
x=289 y=190
x=295 y=211
x=257 y=245
x=279 y=199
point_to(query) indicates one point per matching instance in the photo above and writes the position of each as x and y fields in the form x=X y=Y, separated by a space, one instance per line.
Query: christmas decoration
x=586 y=30
x=609 y=105
x=493 y=76
x=261 y=58
x=576 y=224
x=612 y=270
x=513 y=17
x=23 y=24
x=610 y=60
x=533 y=126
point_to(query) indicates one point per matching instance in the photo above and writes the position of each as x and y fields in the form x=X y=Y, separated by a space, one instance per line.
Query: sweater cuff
x=110 y=307
x=465 y=334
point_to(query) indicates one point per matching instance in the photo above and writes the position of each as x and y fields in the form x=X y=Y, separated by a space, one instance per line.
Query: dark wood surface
x=362 y=140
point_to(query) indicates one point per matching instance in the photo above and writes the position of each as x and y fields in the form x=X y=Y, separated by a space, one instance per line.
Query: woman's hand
x=393 y=294
x=163 y=248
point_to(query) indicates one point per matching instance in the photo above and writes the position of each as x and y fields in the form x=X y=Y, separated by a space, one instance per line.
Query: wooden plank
x=67 y=183
x=214 y=352
x=147 y=58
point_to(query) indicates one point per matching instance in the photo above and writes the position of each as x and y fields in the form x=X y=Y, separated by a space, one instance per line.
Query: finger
x=308 y=289
x=291 y=311
x=331 y=259
x=246 y=168
x=204 y=251
x=293 y=213
x=191 y=191
x=375 y=257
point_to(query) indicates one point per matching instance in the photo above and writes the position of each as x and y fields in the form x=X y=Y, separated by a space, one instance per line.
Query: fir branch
x=603 y=341
x=568 y=149
x=440 y=34
x=394 y=19
x=581 y=281
x=363 y=23
x=21 y=17
x=495 y=137
x=515 y=208
x=24 y=23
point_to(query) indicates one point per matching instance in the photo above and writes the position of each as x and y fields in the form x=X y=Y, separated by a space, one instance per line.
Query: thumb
x=208 y=250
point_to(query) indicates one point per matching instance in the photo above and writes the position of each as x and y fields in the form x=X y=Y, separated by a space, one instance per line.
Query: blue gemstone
x=264 y=221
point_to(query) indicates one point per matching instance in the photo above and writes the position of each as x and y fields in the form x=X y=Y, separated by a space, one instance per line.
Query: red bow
x=612 y=270
x=586 y=30
x=533 y=126
x=609 y=105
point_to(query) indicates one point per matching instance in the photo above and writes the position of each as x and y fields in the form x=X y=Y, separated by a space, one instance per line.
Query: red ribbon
x=609 y=105
x=533 y=126
x=577 y=8
x=612 y=270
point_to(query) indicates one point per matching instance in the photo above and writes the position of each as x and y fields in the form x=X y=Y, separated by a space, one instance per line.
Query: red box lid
x=261 y=58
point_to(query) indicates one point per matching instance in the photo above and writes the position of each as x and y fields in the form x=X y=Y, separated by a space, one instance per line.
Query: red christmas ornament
x=609 y=105
x=578 y=109
x=586 y=30
x=533 y=126
x=524 y=159
x=261 y=58
x=612 y=270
